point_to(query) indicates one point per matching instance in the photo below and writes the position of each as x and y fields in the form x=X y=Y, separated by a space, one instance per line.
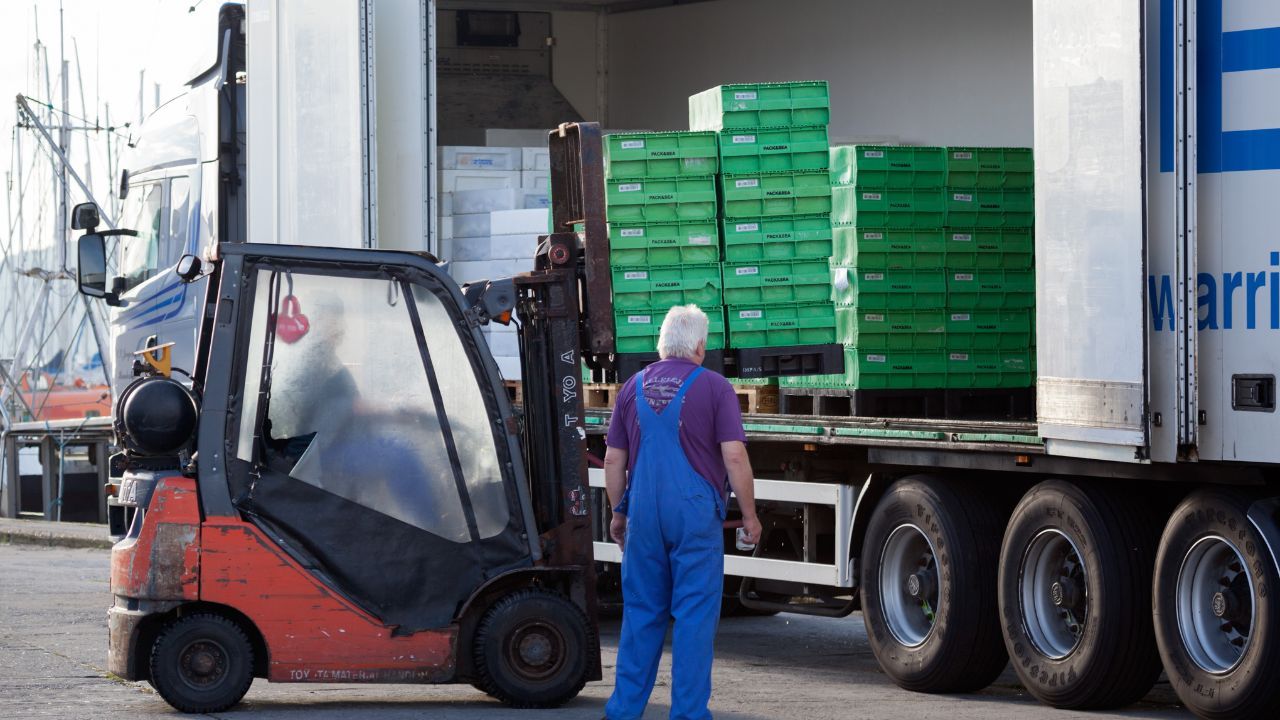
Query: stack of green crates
x=775 y=209
x=660 y=203
x=931 y=268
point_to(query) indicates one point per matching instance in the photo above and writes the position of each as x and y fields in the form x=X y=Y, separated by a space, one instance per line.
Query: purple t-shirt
x=709 y=417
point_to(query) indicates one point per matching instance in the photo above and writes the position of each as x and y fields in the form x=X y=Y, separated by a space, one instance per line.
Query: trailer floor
x=54 y=636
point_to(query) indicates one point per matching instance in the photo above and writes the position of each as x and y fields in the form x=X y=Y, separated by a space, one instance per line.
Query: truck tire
x=1075 y=595
x=929 y=586
x=1217 y=611
x=202 y=663
x=532 y=649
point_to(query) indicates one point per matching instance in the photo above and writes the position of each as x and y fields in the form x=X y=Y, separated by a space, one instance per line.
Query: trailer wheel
x=202 y=663
x=1216 y=609
x=1075 y=596
x=532 y=650
x=929 y=586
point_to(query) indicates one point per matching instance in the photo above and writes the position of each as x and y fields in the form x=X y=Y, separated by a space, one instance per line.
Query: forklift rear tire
x=532 y=649
x=202 y=663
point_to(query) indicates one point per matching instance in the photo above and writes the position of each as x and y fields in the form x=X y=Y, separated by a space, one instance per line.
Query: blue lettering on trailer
x=1219 y=298
x=1249 y=50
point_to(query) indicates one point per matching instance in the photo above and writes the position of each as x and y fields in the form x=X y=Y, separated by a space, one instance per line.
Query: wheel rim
x=202 y=664
x=1053 y=594
x=1216 y=604
x=909 y=585
x=536 y=650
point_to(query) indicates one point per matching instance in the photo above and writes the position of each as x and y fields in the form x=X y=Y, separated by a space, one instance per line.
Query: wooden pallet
x=757 y=399
x=971 y=404
x=514 y=393
x=600 y=395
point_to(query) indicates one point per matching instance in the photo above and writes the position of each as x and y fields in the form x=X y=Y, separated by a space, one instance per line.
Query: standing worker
x=671 y=447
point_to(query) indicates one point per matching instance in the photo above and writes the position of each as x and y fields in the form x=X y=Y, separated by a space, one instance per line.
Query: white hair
x=684 y=327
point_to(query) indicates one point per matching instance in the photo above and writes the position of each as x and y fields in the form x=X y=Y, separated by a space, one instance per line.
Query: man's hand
x=618 y=529
x=751 y=529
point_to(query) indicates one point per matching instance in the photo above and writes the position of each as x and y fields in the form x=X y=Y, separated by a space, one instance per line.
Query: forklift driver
x=676 y=437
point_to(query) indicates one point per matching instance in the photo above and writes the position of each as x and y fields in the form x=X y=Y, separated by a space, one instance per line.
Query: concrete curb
x=39 y=537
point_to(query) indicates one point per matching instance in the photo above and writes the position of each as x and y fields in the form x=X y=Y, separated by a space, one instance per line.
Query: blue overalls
x=672 y=567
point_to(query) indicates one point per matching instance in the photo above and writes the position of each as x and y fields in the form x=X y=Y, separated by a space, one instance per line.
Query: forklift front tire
x=532 y=648
x=202 y=663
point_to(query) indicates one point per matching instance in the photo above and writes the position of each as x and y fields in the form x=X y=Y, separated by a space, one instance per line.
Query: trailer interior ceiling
x=928 y=72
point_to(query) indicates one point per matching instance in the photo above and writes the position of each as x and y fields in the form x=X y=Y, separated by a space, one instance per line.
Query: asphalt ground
x=53 y=641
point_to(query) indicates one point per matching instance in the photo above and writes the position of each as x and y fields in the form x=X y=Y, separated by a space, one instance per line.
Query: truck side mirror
x=91 y=268
x=85 y=217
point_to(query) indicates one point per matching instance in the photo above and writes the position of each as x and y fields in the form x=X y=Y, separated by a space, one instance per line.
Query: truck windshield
x=140 y=258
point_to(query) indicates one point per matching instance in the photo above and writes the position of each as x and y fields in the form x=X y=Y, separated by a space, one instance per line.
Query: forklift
x=341 y=491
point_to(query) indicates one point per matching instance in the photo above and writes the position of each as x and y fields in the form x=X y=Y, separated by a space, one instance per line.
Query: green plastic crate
x=888 y=248
x=992 y=168
x=661 y=200
x=760 y=105
x=990 y=208
x=879 y=207
x=991 y=289
x=640 y=244
x=666 y=286
x=889 y=289
x=881 y=370
x=988 y=330
x=888 y=166
x=990 y=369
x=768 y=325
x=777 y=281
x=636 y=331
x=892 y=329
x=805 y=192
x=777 y=238
x=774 y=150
x=990 y=249
x=661 y=155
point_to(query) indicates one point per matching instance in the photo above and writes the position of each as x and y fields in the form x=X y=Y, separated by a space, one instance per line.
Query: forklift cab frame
x=353 y=504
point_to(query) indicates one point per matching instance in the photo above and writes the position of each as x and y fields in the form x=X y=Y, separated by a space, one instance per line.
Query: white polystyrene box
x=459 y=157
x=536 y=158
x=497 y=247
x=471 y=271
x=535 y=180
x=512 y=222
x=456 y=180
x=470 y=202
x=471 y=226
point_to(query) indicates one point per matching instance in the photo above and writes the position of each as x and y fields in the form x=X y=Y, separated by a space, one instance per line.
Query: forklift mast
x=565 y=307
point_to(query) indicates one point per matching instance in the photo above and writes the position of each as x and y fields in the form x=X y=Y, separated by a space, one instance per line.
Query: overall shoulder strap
x=677 y=402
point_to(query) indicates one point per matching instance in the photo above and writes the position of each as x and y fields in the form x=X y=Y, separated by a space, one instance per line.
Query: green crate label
x=903 y=165
x=900 y=326
x=782 y=323
x=988 y=166
x=663 y=153
x=664 y=196
x=964 y=277
x=899 y=246
x=635 y=275
x=750 y=314
x=776 y=148
x=780 y=193
x=639 y=319
x=632 y=144
x=960 y=317
x=779 y=236
x=870 y=196
x=873 y=153
x=989 y=206
x=632 y=232
x=872 y=317
x=666 y=241
x=960 y=357
x=667 y=284
x=778 y=279
x=991 y=246
x=961 y=156
x=746 y=183
x=747 y=95
x=699 y=239
x=877 y=358
x=746 y=271
x=961 y=237
x=630 y=187
x=746 y=227
x=988 y=326
x=740 y=139
x=872 y=236
x=900 y=205
x=872 y=277
x=962 y=197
